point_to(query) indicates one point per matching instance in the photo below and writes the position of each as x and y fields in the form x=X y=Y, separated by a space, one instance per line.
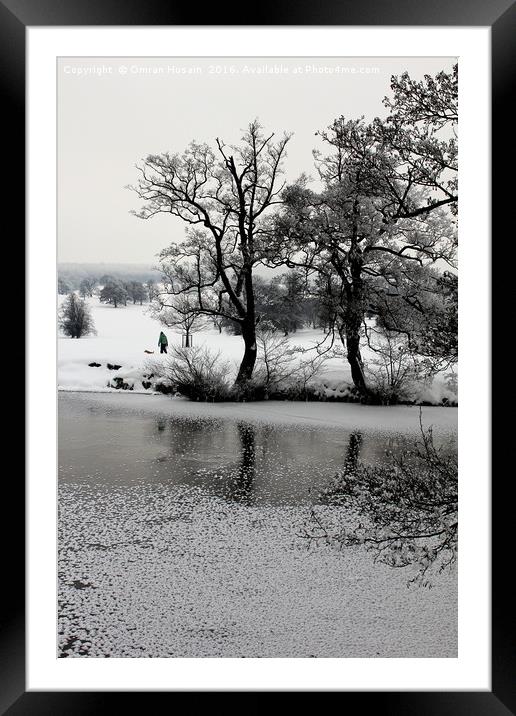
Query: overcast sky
x=113 y=112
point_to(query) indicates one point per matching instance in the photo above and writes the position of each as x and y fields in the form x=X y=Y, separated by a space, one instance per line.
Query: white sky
x=113 y=112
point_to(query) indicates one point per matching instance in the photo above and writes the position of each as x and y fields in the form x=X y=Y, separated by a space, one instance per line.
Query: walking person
x=162 y=342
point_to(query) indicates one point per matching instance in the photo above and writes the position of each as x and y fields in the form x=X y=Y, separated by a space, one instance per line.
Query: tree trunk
x=353 y=317
x=247 y=365
x=355 y=359
x=248 y=324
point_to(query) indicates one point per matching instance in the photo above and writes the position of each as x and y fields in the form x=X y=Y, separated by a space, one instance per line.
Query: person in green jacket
x=162 y=342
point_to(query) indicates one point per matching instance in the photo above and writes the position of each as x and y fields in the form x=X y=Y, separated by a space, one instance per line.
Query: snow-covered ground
x=125 y=333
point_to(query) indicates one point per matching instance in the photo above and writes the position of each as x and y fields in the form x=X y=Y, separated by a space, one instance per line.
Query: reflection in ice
x=241 y=461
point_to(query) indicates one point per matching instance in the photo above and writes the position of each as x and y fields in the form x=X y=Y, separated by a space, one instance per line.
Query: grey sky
x=112 y=112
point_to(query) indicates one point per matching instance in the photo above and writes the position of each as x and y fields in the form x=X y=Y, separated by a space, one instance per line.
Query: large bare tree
x=223 y=195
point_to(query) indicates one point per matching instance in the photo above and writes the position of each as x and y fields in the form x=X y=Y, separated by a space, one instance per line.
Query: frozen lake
x=179 y=533
x=260 y=453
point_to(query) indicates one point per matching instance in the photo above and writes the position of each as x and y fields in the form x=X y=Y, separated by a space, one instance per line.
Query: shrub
x=275 y=362
x=395 y=374
x=197 y=374
x=283 y=371
x=297 y=390
x=406 y=509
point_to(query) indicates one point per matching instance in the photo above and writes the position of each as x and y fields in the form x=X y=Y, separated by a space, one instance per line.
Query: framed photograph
x=258 y=355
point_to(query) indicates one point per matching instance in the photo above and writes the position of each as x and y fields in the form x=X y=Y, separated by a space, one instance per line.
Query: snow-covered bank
x=348 y=416
x=149 y=571
x=127 y=336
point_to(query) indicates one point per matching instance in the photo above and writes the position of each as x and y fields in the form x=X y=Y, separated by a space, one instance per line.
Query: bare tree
x=136 y=291
x=223 y=195
x=87 y=286
x=151 y=289
x=63 y=287
x=114 y=292
x=182 y=315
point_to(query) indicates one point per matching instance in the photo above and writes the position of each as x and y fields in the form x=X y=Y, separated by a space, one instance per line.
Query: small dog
x=146 y=351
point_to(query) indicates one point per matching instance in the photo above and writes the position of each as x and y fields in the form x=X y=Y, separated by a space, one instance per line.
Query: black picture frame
x=15 y=17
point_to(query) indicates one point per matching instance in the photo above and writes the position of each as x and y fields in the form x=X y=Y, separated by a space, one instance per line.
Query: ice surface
x=150 y=571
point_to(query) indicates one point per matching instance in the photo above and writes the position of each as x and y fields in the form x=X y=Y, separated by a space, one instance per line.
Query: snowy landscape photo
x=257 y=335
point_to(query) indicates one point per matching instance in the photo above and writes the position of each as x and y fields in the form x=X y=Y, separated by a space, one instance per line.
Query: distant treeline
x=286 y=301
x=72 y=274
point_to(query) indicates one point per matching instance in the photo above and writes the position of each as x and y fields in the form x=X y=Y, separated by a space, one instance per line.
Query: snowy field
x=125 y=333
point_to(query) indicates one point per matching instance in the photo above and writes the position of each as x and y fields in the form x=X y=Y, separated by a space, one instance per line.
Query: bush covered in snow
x=405 y=508
x=196 y=373
x=283 y=372
x=397 y=375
